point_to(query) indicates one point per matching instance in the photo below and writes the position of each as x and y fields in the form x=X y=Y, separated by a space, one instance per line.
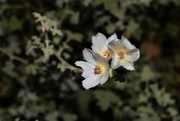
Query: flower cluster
x=119 y=52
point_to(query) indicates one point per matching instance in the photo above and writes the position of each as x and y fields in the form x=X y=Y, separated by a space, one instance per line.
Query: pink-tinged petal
x=115 y=46
x=127 y=44
x=112 y=37
x=133 y=55
x=89 y=57
x=84 y=65
x=99 y=40
x=104 y=77
x=128 y=65
x=88 y=73
x=115 y=63
x=91 y=81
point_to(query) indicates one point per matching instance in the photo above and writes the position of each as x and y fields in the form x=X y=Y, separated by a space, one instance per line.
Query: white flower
x=100 y=44
x=124 y=54
x=95 y=70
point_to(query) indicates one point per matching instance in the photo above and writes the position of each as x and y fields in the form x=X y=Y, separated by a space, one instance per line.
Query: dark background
x=48 y=91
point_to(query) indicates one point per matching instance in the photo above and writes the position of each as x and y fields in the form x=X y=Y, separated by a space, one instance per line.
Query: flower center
x=97 y=70
x=121 y=54
x=106 y=53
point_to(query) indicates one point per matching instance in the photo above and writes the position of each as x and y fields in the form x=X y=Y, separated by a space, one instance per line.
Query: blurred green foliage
x=41 y=40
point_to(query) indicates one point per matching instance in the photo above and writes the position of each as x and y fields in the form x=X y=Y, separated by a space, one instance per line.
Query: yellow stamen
x=106 y=53
x=99 y=69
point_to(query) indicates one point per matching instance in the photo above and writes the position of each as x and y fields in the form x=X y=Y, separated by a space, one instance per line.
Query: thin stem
x=7 y=7
x=10 y=55
x=67 y=65
x=16 y=6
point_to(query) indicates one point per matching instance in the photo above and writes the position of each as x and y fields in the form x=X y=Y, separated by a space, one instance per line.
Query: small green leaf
x=69 y=117
x=15 y=24
x=38 y=17
x=105 y=98
x=110 y=5
x=147 y=74
x=173 y=112
x=52 y=116
x=110 y=28
x=74 y=36
x=133 y=28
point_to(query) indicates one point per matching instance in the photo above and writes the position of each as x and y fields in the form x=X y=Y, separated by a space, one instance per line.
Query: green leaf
x=142 y=98
x=56 y=32
x=110 y=5
x=14 y=46
x=167 y=100
x=163 y=98
x=110 y=28
x=69 y=117
x=74 y=36
x=86 y=2
x=147 y=74
x=15 y=24
x=31 y=69
x=74 y=17
x=52 y=116
x=105 y=98
x=145 y=109
x=48 y=51
x=134 y=29
x=9 y=69
x=145 y=2
x=120 y=86
x=173 y=112
x=38 y=17
x=146 y=117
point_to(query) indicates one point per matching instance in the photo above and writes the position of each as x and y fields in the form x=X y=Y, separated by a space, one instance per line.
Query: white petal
x=115 y=46
x=84 y=65
x=91 y=81
x=102 y=61
x=99 y=40
x=88 y=73
x=95 y=49
x=88 y=56
x=126 y=43
x=104 y=77
x=128 y=65
x=112 y=37
x=133 y=55
x=115 y=63
x=88 y=69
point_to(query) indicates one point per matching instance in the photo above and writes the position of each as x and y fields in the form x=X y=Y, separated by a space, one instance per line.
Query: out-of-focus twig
x=66 y=64
x=15 y=7
x=14 y=57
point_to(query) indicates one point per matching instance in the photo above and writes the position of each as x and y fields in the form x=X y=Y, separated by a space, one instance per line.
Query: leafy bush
x=41 y=40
